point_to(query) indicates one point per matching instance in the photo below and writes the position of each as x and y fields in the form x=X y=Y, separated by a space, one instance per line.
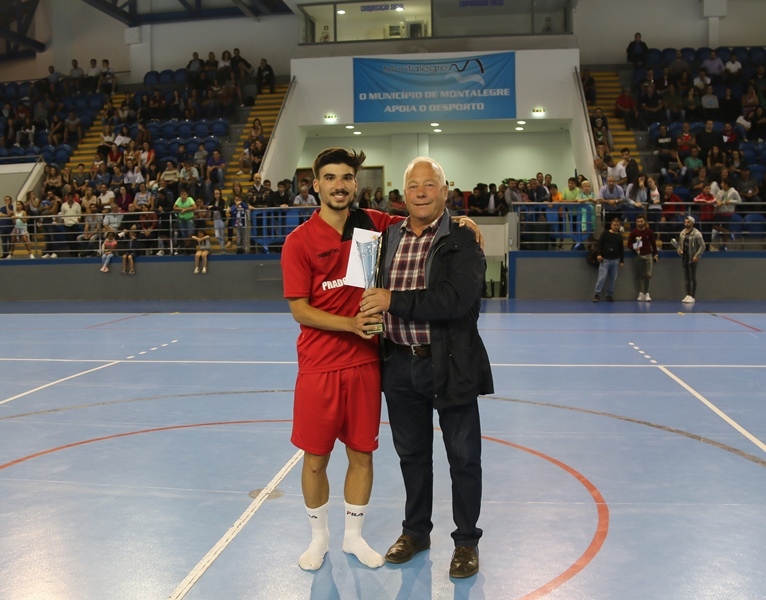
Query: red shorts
x=342 y=405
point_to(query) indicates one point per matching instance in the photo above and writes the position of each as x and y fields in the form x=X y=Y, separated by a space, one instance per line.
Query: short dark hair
x=338 y=156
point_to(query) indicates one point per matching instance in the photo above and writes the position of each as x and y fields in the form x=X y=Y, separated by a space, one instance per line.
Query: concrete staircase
x=91 y=139
x=266 y=108
x=608 y=87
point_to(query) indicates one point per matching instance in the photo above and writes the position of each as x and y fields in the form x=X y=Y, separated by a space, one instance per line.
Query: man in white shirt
x=70 y=216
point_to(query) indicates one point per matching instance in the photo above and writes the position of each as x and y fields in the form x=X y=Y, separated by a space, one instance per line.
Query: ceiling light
x=434 y=124
x=341 y=12
x=521 y=122
x=349 y=126
x=399 y=9
x=437 y=130
x=519 y=129
x=357 y=133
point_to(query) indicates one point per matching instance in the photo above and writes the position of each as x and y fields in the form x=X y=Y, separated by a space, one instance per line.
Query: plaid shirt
x=408 y=272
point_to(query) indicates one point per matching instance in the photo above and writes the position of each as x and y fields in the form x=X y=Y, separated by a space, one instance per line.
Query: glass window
x=319 y=23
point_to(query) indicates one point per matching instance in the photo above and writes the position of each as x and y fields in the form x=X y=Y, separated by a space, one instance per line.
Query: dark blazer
x=451 y=303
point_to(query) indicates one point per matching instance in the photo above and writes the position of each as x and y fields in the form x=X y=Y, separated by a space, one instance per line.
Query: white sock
x=313 y=558
x=353 y=543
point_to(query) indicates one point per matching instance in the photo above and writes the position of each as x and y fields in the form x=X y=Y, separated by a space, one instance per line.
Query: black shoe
x=609 y=299
x=405 y=548
x=596 y=298
x=465 y=562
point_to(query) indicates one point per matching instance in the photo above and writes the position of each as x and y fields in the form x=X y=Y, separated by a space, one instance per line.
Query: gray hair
x=437 y=168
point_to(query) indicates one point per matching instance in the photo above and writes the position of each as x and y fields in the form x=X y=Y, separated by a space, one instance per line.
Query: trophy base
x=377 y=329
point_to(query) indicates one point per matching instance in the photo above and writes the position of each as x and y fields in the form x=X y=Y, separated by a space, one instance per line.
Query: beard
x=334 y=203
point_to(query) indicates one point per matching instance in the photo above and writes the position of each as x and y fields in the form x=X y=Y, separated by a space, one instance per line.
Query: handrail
x=276 y=122
x=584 y=106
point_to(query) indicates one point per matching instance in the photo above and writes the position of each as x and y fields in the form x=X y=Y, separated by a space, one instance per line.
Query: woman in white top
x=20 y=233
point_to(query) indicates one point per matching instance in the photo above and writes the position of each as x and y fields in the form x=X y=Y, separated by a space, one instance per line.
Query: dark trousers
x=408 y=385
x=690 y=277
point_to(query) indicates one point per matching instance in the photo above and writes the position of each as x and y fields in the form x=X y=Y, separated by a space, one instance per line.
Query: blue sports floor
x=145 y=454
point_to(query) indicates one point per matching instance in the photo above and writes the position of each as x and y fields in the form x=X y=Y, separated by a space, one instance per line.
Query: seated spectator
x=124 y=201
x=396 y=204
x=684 y=83
x=122 y=139
x=157 y=106
x=625 y=109
x=698 y=181
x=102 y=176
x=89 y=240
x=127 y=110
x=709 y=104
x=40 y=116
x=729 y=106
x=305 y=199
x=56 y=131
x=637 y=51
x=132 y=153
x=265 y=76
x=691 y=165
x=80 y=179
x=601 y=134
x=665 y=151
x=53 y=181
x=749 y=192
x=757 y=125
x=730 y=138
x=224 y=68
x=189 y=177
x=107 y=139
x=733 y=67
x=678 y=66
x=143 y=198
x=714 y=67
x=114 y=158
x=241 y=67
x=652 y=106
x=133 y=175
x=25 y=135
x=215 y=171
x=716 y=159
x=147 y=157
x=177 y=105
x=664 y=81
x=674 y=104
x=172 y=176
x=685 y=140
x=701 y=81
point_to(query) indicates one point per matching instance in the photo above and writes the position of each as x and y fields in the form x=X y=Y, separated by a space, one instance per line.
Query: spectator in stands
x=654 y=204
x=122 y=139
x=184 y=207
x=124 y=201
x=20 y=231
x=89 y=240
x=114 y=158
x=727 y=201
x=757 y=125
x=637 y=51
x=193 y=69
x=55 y=131
x=716 y=159
x=664 y=81
x=73 y=129
x=70 y=214
x=701 y=81
x=107 y=81
x=230 y=95
x=733 y=69
x=53 y=181
x=588 y=86
x=636 y=198
x=759 y=81
x=674 y=104
x=265 y=76
x=672 y=214
x=631 y=166
x=612 y=199
x=665 y=151
x=132 y=176
x=684 y=83
x=142 y=111
x=147 y=230
x=698 y=181
x=625 y=109
x=240 y=66
x=730 y=138
x=143 y=198
x=189 y=177
x=601 y=134
x=90 y=84
x=200 y=214
x=691 y=246
x=611 y=257
x=217 y=210
x=6 y=224
x=147 y=158
x=678 y=66
x=749 y=191
x=129 y=251
x=707 y=138
x=616 y=170
x=25 y=134
x=709 y=104
x=157 y=107
x=200 y=161
x=692 y=105
x=735 y=166
x=132 y=153
x=648 y=81
x=171 y=175
x=714 y=67
x=685 y=140
x=641 y=241
x=730 y=108
x=257 y=152
x=202 y=240
x=127 y=110
x=652 y=106
x=210 y=67
x=76 y=77
x=164 y=205
x=101 y=176
x=40 y=116
x=181 y=157
x=304 y=198
x=216 y=168
x=704 y=207
x=691 y=165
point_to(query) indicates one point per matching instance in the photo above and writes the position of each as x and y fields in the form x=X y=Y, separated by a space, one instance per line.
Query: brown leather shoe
x=405 y=548
x=465 y=562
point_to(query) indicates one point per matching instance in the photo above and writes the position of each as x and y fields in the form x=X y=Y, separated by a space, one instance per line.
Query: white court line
x=185 y=586
x=714 y=408
x=47 y=385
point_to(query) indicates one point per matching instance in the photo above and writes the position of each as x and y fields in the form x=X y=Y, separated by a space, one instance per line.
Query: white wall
x=467 y=159
x=604 y=29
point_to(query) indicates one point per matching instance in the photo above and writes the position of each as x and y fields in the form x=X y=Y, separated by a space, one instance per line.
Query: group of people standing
x=432 y=357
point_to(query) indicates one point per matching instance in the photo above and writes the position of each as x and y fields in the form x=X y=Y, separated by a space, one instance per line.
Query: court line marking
x=714 y=408
x=293 y=362
x=47 y=385
x=185 y=586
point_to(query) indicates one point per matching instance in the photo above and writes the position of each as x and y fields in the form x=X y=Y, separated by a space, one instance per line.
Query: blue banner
x=447 y=89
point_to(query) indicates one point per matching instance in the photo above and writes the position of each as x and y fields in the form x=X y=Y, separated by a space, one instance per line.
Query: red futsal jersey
x=314 y=262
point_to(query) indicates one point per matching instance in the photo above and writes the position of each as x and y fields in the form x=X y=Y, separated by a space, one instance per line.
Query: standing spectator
x=691 y=246
x=107 y=81
x=265 y=76
x=71 y=212
x=637 y=51
x=20 y=232
x=588 y=86
x=77 y=77
x=611 y=257
x=185 y=207
x=216 y=167
x=641 y=241
x=73 y=129
x=431 y=317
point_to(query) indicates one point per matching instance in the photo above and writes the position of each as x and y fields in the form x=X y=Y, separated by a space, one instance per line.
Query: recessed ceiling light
x=437 y=130
x=341 y=12
x=349 y=126
x=519 y=129
x=357 y=133
x=521 y=122
x=399 y=9
x=434 y=124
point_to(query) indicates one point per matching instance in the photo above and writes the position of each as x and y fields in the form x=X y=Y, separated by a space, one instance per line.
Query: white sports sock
x=313 y=558
x=353 y=543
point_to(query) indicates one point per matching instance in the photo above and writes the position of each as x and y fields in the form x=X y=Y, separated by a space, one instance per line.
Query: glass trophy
x=369 y=254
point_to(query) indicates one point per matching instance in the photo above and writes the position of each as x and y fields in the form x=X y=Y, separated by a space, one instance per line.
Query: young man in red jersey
x=337 y=392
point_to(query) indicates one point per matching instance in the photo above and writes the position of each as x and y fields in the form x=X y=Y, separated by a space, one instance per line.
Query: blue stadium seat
x=758 y=171
x=668 y=56
x=742 y=54
x=61 y=156
x=160 y=148
x=133 y=129
x=16 y=151
x=689 y=55
x=723 y=53
x=697 y=126
x=179 y=77
x=186 y=129
x=11 y=90
x=96 y=102
x=153 y=127
x=703 y=54
x=168 y=130
x=48 y=153
x=683 y=193
x=212 y=143
x=654 y=131
x=654 y=58
x=757 y=56
x=748 y=151
x=220 y=127
x=41 y=137
x=152 y=78
x=165 y=160
x=638 y=76
x=192 y=144
x=753 y=227
x=32 y=151
x=167 y=77
x=3 y=152
x=201 y=128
